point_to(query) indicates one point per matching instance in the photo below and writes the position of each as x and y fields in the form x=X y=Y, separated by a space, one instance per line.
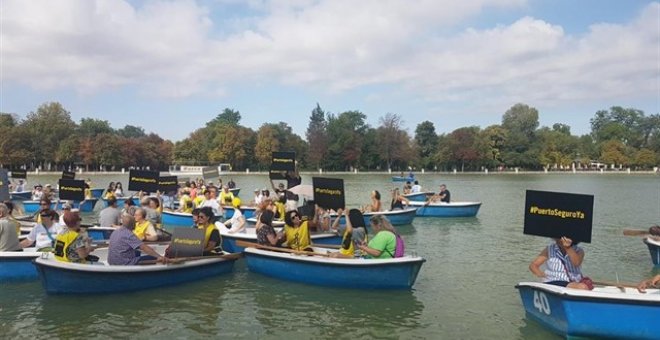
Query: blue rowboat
x=453 y=209
x=97 y=233
x=20 y=195
x=120 y=202
x=604 y=312
x=402 y=179
x=396 y=217
x=97 y=192
x=173 y=218
x=31 y=207
x=86 y=205
x=654 y=249
x=252 y=222
x=235 y=191
x=249 y=235
x=418 y=196
x=99 y=278
x=17 y=265
x=358 y=273
x=247 y=211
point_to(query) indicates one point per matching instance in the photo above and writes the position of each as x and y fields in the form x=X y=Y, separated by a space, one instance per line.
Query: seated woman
x=110 y=191
x=144 y=229
x=398 y=200
x=237 y=221
x=383 y=244
x=212 y=239
x=266 y=234
x=72 y=245
x=375 y=204
x=297 y=232
x=562 y=260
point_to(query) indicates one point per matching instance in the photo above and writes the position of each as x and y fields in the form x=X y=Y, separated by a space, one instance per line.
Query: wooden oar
x=635 y=232
x=330 y=246
x=178 y=260
x=245 y=244
x=615 y=284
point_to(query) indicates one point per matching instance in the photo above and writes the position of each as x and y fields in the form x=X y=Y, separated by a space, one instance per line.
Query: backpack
x=400 y=246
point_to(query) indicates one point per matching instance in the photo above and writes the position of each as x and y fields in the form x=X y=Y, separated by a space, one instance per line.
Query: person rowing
x=123 y=245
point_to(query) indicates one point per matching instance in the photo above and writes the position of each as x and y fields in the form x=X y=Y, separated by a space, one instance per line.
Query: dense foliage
x=619 y=137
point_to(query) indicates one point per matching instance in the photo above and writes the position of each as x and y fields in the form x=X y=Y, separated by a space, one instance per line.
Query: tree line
x=48 y=138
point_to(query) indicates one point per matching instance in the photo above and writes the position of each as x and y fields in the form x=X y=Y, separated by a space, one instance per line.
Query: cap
x=256 y=190
x=66 y=206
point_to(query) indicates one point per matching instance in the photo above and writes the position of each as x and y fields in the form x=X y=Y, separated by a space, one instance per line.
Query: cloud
x=181 y=49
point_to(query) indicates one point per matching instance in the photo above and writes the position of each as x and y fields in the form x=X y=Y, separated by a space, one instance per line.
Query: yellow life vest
x=280 y=210
x=62 y=244
x=109 y=195
x=208 y=230
x=18 y=224
x=88 y=193
x=198 y=200
x=297 y=238
x=141 y=229
x=226 y=198
x=347 y=240
x=183 y=202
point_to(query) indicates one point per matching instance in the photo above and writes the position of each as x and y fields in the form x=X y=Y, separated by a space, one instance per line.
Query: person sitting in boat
x=231 y=184
x=43 y=234
x=236 y=223
x=416 y=188
x=322 y=219
x=110 y=216
x=226 y=196
x=110 y=191
x=156 y=204
x=211 y=203
x=37 y=192
x=149 y=206
x=266 y=234
x=398 y=200
x=353 y=233
x=185 y=202
x=119 y=190
x=652 y=282
x=144 y=229
x=280 y=208
x=72 y=245
x=123 y=245
x=49 y=192
x=383 y=244
x=194 y=191
x=375 y=205
x=256 y=201
x=443 y=196
x=129 y=206
x=407 y=188
x=297 y=232
x=20 y=187
x=563 y=260
x=8 y=236
x=212 y=239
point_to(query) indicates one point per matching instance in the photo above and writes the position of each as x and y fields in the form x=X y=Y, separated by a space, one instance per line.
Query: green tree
x=226 y=117
x=614 y=152
x=267 y=143
x=426 y=141
x=625 y=125
x=130 y=131
x=521 y=147
x=345 y=133
x=394 y=143
x=645 y=159
x=47 y=127
x=234 y=146
x=317 y=137
x=90 y=127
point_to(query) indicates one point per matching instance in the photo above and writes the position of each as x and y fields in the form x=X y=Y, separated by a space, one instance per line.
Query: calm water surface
x=464 y=290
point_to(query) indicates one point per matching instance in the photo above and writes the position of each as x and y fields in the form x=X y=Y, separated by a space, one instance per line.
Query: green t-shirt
x=385 y=241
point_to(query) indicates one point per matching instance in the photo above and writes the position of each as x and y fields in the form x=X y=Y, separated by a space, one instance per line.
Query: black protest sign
x=19 y=173
x=556 y=214
x=71 y=189
x=187 y=242
x=210 y=172
x=68 y=175
x=4 y=187
x=329 y=192
x=142 y=180
x=282 y=162
x=168 y=183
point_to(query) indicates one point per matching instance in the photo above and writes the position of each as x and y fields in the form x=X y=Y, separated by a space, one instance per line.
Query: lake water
x=465 y=290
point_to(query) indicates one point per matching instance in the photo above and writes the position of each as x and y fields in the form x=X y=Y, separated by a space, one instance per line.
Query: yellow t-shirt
x=297 y=238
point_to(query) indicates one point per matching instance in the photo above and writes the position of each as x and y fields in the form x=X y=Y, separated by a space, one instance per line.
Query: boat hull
x=120 y=202
x=17 y=266
x=654 y=250
x=235 y=191
x=396 y=217
x=598 y=313
x=398 y=273
x=418 y=197
x=229 y=240
x=67 y=278
x=455 y=209
x=402 y=179
x=20 y=195
x=99 y=233
x=171 y=218
x=248 y=212
x=97 y=193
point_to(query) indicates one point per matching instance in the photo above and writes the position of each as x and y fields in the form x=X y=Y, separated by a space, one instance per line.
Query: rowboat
x=604 y=312
x=252 y=221
x=174 y=218
x=654 y=249
x=441 y=209
x=86 y=205
x=246 y=210
x=100 y=278
x=235 y=191
x=97 y=233
x=357 y=273
x=418 y=196
x=402 y=179
x=97 y=192
x=31 y=207
x=249 y=234
x=396 y=217
x=120 y=201
x=20 y=195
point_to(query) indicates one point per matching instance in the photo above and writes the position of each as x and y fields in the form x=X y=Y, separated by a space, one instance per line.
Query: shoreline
x=428 y=173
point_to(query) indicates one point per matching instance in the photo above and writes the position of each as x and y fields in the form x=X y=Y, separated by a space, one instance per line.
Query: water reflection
x=533 y=330
x=292 y=308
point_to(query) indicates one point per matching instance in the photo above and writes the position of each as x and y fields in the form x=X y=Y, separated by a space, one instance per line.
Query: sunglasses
x=45 y=216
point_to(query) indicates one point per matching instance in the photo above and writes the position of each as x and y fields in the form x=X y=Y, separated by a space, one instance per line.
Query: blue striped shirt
x=559 y=264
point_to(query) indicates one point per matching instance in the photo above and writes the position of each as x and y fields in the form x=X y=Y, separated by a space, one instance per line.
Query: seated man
x=123 y=243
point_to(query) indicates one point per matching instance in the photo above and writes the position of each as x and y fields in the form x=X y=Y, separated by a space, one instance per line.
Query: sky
x=171 y=66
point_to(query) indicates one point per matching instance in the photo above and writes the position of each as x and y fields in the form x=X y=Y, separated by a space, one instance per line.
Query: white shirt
x=236 y=220
x=416 y=188
x=40 y=235
x=258 y=199
x=213 y=204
